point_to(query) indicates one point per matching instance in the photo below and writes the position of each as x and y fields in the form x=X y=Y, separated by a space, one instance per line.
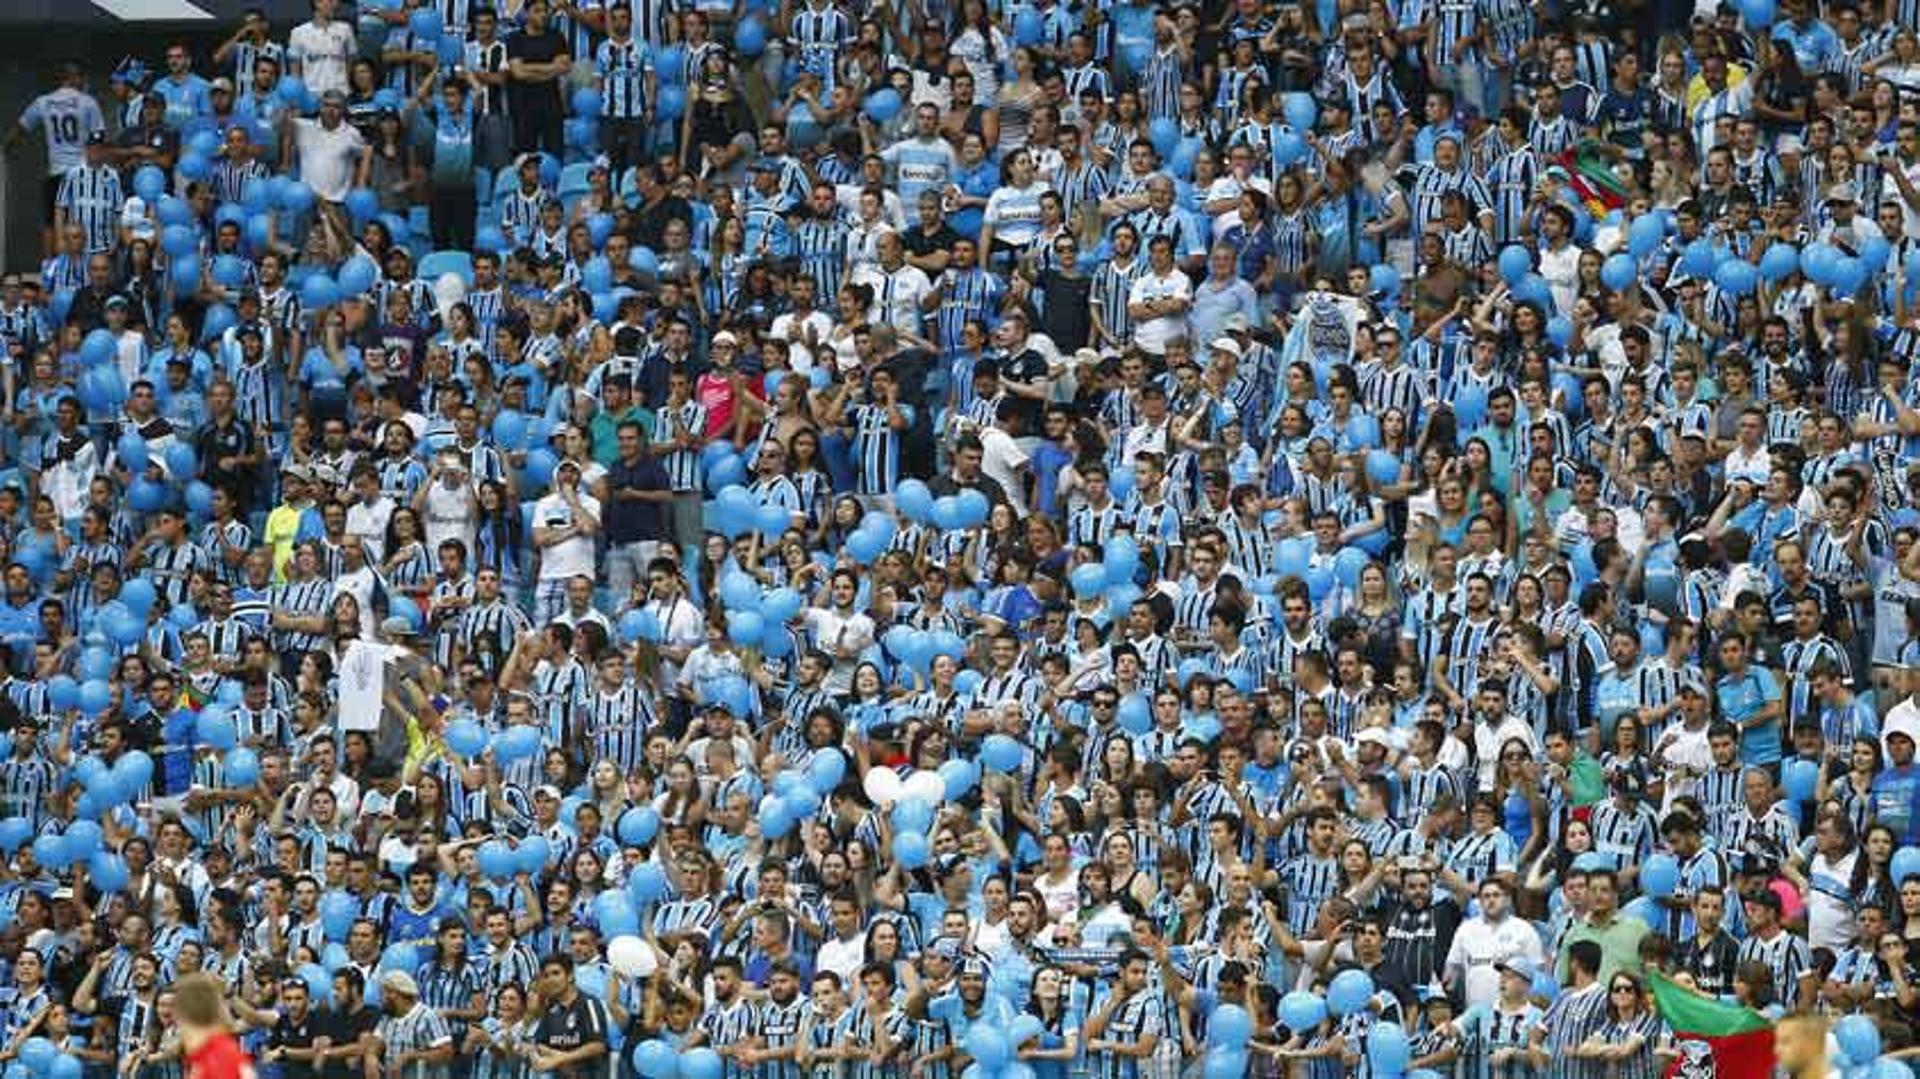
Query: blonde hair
x=199 y=1000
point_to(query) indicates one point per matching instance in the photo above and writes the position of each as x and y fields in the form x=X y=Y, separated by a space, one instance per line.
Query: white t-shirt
x=1892 y=590
x=1480 y=944
x=369 y=522
x=1002 y=459
x=831 y=630
x=896 y=295
x=65 y=117
x=792 y=329
x=1690 y=751
x=1062 y=897
x=323 y=52
x=1749 y=465
x=1561 y=270
x=1829 y=906
x=572 y=557
x=449 y=515
x=681 y=626
x=843 y=957
x=1152 y=334
x=328 y=158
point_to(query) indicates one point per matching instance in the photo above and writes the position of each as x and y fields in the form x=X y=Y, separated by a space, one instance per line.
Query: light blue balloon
x=1001 y=754
x=1349 y=991
x=911 y=849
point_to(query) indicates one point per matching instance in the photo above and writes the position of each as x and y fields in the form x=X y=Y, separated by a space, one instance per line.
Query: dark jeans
x=538 y=125
x=491 y=142
x=625 y=144
x=451 y=213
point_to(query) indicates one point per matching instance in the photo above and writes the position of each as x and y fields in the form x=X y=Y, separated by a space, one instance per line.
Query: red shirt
x=714 y=391
x=219 y=1057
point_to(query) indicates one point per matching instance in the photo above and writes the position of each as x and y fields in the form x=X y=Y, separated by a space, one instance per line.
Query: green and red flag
x=1591 y=175
x=1713 y=1040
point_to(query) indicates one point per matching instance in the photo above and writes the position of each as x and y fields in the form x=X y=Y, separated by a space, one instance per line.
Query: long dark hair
x=984 y=24
x=506 y=519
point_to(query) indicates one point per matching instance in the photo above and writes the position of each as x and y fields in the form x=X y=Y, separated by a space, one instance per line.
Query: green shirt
x=604 y=430
x=1619 y=943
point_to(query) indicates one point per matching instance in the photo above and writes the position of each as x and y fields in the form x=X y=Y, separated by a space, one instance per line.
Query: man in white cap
x=412 y=1041
x=1845 y=225
x=564 y=524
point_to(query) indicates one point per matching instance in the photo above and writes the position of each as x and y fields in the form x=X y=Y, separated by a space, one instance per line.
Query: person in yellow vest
x=284 y=520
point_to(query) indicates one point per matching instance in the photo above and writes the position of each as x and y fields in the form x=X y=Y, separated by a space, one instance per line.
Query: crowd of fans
x=963 y=540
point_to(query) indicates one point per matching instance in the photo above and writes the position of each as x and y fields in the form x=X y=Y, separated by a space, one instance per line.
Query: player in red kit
x=212 y=1051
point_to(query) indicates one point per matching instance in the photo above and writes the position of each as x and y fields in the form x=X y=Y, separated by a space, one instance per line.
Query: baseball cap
x=547 y=790
x=1520 y=966
x=222 y=85
x=1227 y=345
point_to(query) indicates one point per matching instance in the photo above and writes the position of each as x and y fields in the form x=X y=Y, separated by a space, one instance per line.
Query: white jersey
x=1891 y=591
x=65 y=117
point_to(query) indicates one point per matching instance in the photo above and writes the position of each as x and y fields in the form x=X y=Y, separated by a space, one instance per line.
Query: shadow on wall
x=77 y=30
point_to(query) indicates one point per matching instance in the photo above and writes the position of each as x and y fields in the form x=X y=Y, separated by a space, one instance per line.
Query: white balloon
x=631 y=957
x=882 y=785
x=925 y=785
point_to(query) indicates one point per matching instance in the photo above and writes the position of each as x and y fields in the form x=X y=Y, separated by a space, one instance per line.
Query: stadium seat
x=443 y=262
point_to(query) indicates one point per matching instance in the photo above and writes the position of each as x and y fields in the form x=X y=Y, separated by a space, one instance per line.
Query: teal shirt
x=1502 y=441
x=1741 y=697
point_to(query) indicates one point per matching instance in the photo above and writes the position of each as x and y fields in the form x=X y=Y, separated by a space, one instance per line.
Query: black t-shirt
x=1066 y=314
x=631 y=521
x=232 y=440
x=343 y=1029
x=567 y=1027
x=650 y=222
x=1026 y=366
x=918 y=241
x=538 y=49
x=1418 y=937
x=287 y=1034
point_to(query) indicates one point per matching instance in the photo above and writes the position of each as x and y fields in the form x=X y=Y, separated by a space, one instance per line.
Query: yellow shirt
x=1697 y=87
x=283 y=524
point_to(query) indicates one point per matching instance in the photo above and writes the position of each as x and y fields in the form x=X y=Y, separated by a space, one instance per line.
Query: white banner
x=363 y=683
